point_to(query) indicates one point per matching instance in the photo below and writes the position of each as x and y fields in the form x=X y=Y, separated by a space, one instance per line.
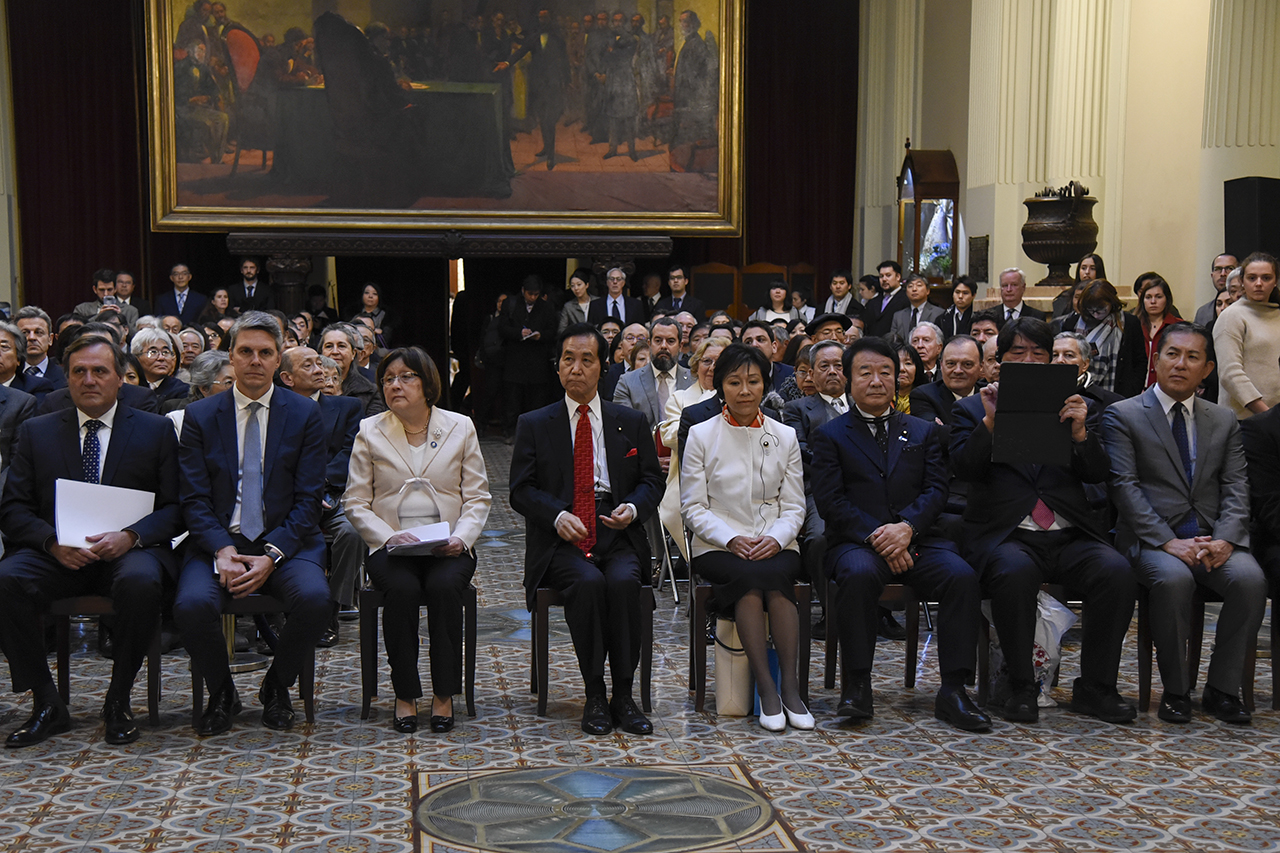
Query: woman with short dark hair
x=413 y=465
x=742 y=497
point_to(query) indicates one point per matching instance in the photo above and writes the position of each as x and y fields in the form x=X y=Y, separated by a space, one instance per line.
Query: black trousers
x=602 y=609
x=299 y=584
x=409 y=583
x=938 y=575
x=31 y=580
x=1025 y=560
x=521 y=397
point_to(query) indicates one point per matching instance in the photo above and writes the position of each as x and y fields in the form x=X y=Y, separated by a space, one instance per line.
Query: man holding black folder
x=1031 y=523
x=97 y=441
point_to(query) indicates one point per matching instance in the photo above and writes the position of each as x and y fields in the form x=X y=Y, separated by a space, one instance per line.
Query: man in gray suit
x=919 y=309
x=1180 y=485
x=647 y=389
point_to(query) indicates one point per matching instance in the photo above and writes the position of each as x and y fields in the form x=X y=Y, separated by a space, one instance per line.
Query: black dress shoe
x=106 y=641
x=1225 y=706
x=45 y=722
x=856 y=702
x=441 y=724
x=818 y=631
x=889 y=627
x=329 y=638
x=957 y=709
x=596 y=719
x=1103 y=702
x=118 y=719
x=628 y=717
x=406 y=725
x=223 y=705
x=277 y=710
x=1174 y=708
x=1021 y=707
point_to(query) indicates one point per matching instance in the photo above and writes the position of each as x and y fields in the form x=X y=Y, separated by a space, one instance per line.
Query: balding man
x=302 y=370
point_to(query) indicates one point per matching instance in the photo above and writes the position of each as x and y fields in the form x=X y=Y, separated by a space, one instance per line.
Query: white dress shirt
x=1017 y=312
x=837 y=403
x=242 y=422
x=621 y=302
x=107 y=419
x=42 y=366
x=663 y=379
x=601 y=462
x=1167 y=403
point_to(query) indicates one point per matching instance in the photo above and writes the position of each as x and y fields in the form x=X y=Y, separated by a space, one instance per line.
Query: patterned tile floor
x=901 y=782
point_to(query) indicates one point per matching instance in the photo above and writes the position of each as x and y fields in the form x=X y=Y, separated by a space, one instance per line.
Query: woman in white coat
x=412 y=465
x=742 y=494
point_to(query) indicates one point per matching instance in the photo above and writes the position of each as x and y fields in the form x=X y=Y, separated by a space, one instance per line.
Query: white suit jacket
x=737 y=481
x=382 y=473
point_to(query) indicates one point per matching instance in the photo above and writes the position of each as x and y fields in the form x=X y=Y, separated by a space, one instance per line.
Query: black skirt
x=732 y=577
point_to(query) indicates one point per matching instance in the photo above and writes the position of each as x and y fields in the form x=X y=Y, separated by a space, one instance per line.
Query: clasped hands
x=451 y=548
x=893 y=543
x=754 y=547
x=105 y=546
x=242 y=574
x=1200 y=551
x=571 y=529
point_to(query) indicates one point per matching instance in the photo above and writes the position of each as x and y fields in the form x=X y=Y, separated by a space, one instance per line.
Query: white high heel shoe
x=803 y=721
x=774 y=722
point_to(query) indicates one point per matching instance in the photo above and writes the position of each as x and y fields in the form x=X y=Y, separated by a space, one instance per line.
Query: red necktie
x=1042 y=515
x=584 y=478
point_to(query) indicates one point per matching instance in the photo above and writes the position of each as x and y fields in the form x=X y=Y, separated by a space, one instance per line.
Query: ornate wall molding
x=449 y=244
x=1242 y=75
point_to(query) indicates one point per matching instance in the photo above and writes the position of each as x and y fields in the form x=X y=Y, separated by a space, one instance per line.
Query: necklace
x=408 y=431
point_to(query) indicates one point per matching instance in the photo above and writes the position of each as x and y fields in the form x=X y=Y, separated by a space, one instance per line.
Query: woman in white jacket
x=742 y=496
x=412 y=465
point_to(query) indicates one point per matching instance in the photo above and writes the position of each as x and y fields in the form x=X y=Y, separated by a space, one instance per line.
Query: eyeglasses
x=156 y=353
x=1223 y=269
x=399 y=378
x=225 y=383
x=633 y=338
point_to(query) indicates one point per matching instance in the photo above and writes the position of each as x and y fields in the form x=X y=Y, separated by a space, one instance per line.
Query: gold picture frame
x=235 y=155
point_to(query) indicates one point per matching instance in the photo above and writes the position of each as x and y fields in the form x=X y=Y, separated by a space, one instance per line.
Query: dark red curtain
x=800 y=126
x=83 y=176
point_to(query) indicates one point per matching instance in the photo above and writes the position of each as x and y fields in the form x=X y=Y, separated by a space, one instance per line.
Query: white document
x=87 y=509
x=432 y=536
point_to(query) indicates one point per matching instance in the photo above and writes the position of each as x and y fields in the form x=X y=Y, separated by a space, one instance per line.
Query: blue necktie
x=1188 y=527
x=92 y=451
x=251 y=524
x=182 y=301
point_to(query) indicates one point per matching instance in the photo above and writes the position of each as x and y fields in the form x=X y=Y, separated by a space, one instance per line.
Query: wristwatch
x=276 y=555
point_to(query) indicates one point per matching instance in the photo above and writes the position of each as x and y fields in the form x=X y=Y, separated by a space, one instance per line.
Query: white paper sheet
x=87 y=509
x=431 y=535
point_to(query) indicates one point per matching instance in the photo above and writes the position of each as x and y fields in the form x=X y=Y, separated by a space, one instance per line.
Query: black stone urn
x=1060 y=230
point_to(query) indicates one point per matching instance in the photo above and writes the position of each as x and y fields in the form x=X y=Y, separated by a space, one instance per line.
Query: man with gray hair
x=36 y=325
x=253 y=465
x=1013 y=284
x=302 y=371
x=926 y=340
x=615 y=303
x=341 y=341
x=15 y=405
x=1074 y=348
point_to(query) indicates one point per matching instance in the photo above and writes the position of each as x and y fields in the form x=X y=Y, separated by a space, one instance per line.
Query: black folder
x=1028 y=431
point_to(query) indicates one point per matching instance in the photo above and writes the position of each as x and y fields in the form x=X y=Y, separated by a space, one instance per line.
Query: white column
x=10 y=266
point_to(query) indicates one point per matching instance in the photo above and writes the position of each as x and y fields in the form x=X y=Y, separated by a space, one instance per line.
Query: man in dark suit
x=960 y=369
x=919 y=309
x=1013 y=284
x=12 y=346
x=1184 y=522
x=252 y=485
x=806 y=416
x=626 y=309
x=585 y=475
x=302 y=372
x=98 y=441
x=880 y=482
x=125 y=293
x=35 y=324
x=250 y=294
x=878 y=313
x=104 y=292
x=678 y=279
x=842 y=300
x=548 y=79
x=1032 y=524
x=527 y=326
x=16 y=407
x=762 y=336
x=181 y=302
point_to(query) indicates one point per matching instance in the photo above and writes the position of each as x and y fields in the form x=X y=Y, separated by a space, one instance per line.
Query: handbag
x=735 y=690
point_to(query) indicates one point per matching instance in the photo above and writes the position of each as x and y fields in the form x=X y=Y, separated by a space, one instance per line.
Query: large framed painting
x=446 y=114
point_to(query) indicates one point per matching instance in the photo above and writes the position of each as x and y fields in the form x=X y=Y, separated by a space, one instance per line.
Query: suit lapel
x=650 y=385
x=276 y=417
x=71 y=456
x=1204 y=442
x=393 y=431
x=897 y=431
x=615 y=447
x=434 y=442
x=1163 y=433
x=225 y=418
x=121 y=430
x=861 y=438
x=562 y=449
